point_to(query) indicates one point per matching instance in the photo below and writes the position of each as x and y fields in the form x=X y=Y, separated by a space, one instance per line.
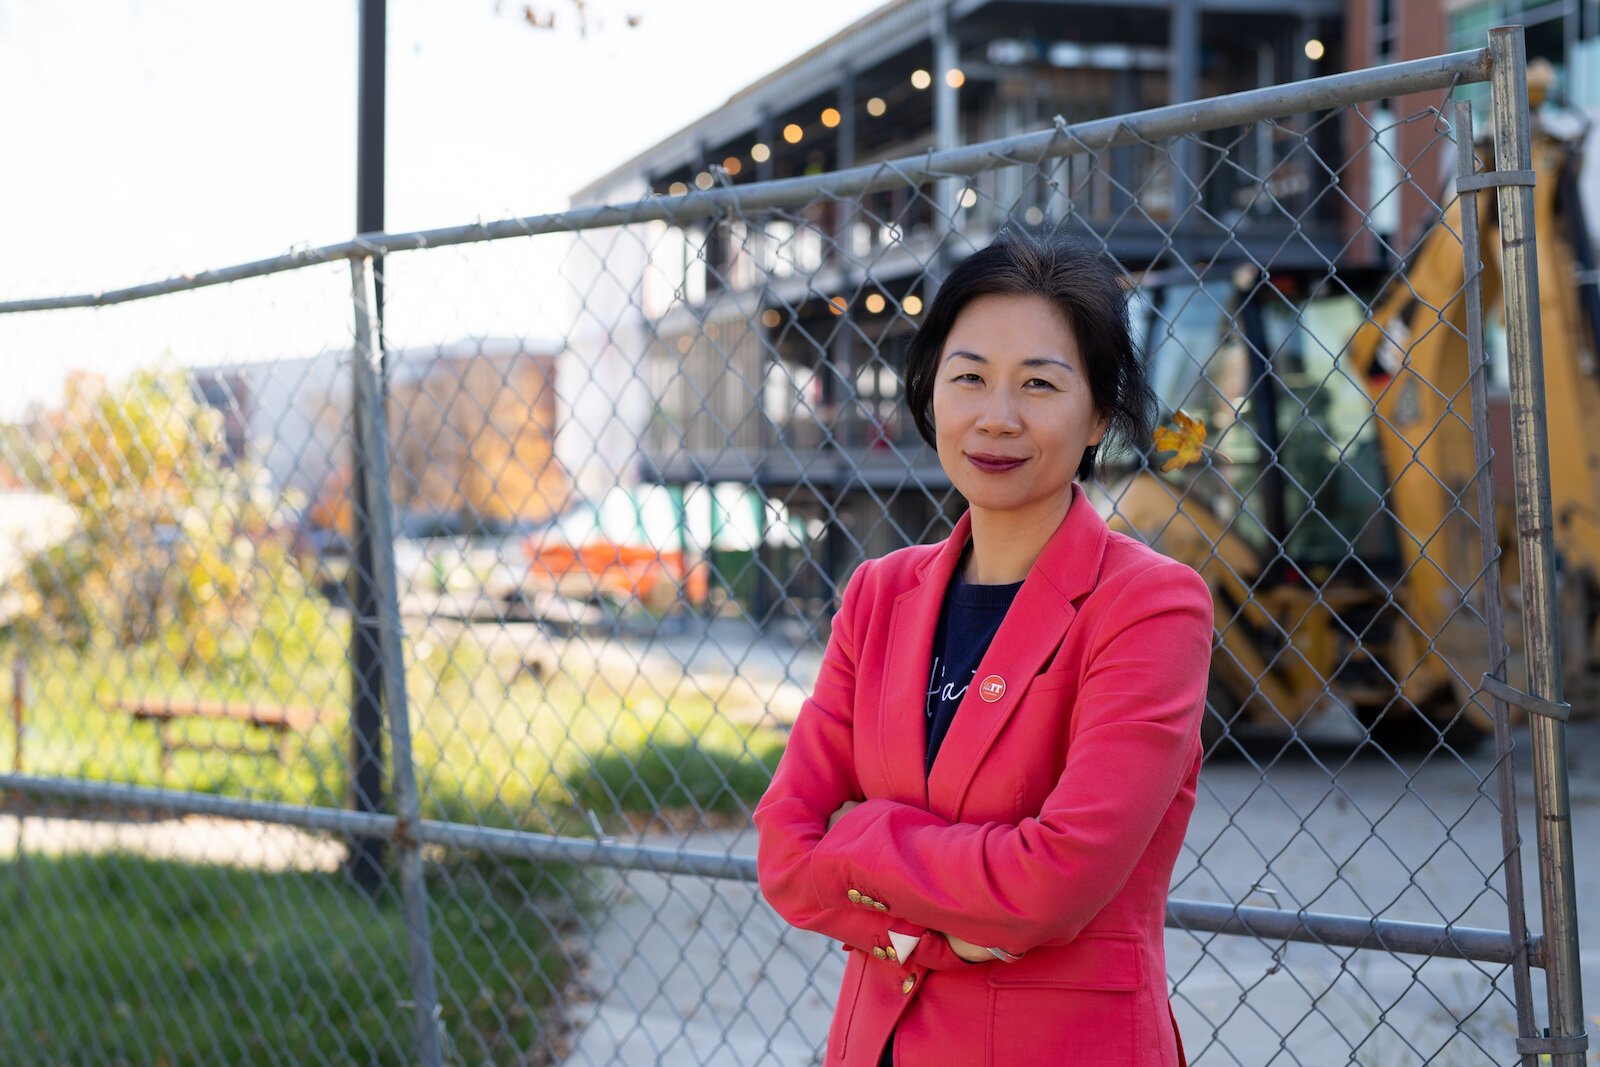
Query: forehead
x=1007 y=327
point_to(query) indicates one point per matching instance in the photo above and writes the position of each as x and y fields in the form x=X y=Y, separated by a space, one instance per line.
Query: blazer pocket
x=1050 y=681
x=1107 y=962
x=1073 y=1004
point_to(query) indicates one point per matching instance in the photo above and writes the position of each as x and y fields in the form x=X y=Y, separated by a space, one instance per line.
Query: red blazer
x=1049 y=825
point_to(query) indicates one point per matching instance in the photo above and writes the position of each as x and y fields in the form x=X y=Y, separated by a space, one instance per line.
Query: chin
x=992 y=498
x=987 y=499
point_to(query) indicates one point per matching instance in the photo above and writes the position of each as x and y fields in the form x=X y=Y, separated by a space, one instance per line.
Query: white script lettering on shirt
x=947 y=691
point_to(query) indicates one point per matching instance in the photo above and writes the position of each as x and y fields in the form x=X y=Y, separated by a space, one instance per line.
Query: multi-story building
x=472 y=426
x=1566 y=33
x=766 y=349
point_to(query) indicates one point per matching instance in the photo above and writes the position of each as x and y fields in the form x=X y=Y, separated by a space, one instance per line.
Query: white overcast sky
x=145 y=138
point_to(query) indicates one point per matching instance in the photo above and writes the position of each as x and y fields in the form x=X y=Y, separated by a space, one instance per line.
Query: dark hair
x=1086 y=287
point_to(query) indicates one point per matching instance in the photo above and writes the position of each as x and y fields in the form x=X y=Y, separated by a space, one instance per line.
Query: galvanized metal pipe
x=1195 y=916
x=413 y=886
x=1342 y=931
x=1493 y=606
x=1193 y=117
x=1535 y=521
x=181 y=802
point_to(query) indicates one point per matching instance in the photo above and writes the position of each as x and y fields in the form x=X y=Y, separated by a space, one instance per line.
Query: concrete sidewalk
x=685 y=970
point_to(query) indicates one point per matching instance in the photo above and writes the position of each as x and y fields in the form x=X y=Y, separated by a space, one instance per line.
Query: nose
x=999 y=413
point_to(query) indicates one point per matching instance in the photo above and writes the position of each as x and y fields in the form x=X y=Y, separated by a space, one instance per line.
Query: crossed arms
x=1018 y=886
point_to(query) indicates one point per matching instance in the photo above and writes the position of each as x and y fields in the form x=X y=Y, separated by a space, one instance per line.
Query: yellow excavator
x=1334 y=513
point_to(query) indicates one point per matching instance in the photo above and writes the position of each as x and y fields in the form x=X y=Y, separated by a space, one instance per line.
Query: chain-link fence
x=402 y=693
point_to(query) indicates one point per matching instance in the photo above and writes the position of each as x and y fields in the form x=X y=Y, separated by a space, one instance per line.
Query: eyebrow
x=1035 y=361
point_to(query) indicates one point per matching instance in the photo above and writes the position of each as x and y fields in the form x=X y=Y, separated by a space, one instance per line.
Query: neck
x=1004 y=544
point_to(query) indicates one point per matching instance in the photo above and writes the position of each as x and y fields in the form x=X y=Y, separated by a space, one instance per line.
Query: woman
x=986 y=793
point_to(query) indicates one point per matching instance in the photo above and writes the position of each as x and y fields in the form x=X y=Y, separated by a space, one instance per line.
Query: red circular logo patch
x=992 y=688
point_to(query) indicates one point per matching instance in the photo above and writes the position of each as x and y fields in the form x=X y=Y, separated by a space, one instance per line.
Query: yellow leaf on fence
x=1186 y=437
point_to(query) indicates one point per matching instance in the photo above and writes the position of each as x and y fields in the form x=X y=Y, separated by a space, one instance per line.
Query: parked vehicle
x=582 y=557
x=461 y=554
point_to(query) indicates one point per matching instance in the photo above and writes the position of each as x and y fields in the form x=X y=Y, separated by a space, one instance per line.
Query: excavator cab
x=1334 y=510
x=1258 y=362
x=1286 y=516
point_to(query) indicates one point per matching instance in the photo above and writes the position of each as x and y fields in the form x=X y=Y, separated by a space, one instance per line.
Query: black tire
x=1400 y=728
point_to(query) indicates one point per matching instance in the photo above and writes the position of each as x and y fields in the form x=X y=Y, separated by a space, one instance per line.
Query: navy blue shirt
x=968 y=620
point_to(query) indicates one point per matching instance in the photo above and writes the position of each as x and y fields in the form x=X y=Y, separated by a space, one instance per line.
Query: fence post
x=371 y=428
x=366 y=856
x=1531 y=463
x=1493 y=602
x=365 y=861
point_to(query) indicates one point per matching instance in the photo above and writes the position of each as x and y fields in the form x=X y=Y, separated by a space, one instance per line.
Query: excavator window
x=1295 y=468
x=1333 y=477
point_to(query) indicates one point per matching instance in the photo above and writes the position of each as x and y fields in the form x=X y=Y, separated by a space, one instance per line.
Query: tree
x=176 y=543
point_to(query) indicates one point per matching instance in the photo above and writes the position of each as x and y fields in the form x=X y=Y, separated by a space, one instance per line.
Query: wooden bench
x=164 y=712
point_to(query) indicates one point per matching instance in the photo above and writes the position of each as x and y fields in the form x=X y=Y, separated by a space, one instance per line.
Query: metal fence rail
x=587 y=677
x=1345 y=931
x=1336 y=90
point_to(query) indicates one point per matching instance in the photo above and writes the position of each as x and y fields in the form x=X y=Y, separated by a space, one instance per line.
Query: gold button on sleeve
x=878 y=951
x=855 y=896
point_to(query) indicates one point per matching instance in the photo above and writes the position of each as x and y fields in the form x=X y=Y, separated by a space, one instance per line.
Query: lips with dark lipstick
x=995 y=464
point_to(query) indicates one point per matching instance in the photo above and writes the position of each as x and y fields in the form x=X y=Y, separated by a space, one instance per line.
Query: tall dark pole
x=365 y=862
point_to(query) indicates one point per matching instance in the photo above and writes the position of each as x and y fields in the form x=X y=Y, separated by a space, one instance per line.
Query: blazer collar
x=1032 y=631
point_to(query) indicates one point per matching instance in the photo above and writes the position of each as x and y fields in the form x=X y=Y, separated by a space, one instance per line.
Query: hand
x=836 y=816
x=967 y=950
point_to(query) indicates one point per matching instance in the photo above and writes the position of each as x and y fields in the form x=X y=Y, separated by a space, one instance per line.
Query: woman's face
x=1012 y=410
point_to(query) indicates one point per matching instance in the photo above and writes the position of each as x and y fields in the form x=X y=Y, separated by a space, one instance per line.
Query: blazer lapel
x=902 y=711
x=1033 y=629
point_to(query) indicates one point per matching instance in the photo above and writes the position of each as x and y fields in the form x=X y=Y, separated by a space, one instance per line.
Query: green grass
x=492 y=744
x=119 y=959
x=122 y=960
x=712 y=767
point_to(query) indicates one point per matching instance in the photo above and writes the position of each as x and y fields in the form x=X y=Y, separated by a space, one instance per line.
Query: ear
x=1102 y=423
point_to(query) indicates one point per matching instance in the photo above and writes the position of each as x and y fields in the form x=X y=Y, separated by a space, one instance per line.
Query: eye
x=967 y=377
x=1041 y=381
